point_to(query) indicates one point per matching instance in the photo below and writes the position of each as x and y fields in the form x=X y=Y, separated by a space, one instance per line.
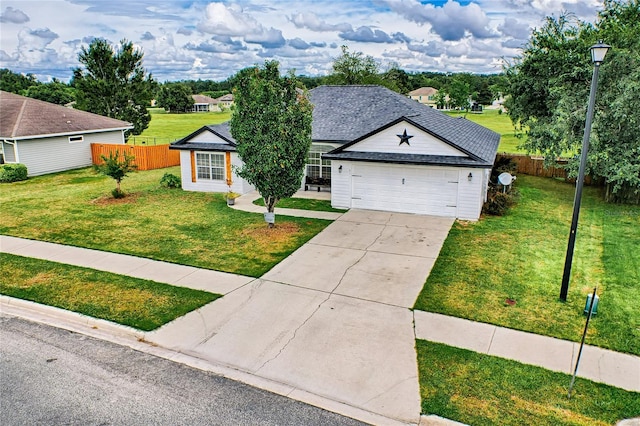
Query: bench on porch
x=317 y=182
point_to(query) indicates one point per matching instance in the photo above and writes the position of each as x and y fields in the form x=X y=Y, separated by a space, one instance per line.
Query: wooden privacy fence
x=146 y=157
x=535 y=165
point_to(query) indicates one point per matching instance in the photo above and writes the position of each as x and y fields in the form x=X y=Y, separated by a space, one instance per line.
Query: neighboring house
x=378 y=150
x=50 y=138
x=202 y=103
x=225 y=101
x=424 y=95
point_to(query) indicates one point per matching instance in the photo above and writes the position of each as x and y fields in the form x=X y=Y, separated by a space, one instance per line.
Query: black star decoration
x=404 y=138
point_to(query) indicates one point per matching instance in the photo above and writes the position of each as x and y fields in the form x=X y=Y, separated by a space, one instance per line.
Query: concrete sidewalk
x=132 y=266
x=597 y=364
x=312 y=330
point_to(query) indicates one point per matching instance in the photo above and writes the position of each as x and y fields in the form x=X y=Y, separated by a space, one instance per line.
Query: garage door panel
x=405 y=189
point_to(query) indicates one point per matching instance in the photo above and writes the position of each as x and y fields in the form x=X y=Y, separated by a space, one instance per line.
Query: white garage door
x=410 y=189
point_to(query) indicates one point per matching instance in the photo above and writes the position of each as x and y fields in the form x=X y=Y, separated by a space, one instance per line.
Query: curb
x=135 y=339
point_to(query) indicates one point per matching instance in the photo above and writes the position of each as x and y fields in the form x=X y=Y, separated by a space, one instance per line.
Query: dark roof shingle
x=343 y=114
x=23 y=117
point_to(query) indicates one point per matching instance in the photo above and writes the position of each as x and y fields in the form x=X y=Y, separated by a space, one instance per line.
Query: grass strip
x=138 y=303
x=172 y=225
x=481 y=390
x=166 y=127
x=303 y=204
x=499 y=123
x=520 y=257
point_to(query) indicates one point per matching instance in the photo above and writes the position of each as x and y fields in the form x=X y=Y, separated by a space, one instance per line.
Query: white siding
x=239 y=185
x=341 y=184
x=207 y=137
x=470 y=194
x=49 y=155
x=421 y=143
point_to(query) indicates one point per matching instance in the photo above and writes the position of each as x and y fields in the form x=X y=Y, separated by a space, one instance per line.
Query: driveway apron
x=333 y=318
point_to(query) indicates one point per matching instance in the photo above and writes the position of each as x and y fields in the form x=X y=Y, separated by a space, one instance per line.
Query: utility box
x=594 y=310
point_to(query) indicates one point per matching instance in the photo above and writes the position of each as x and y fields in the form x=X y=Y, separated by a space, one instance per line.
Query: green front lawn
x=190 y=228
x=479 y=389
x=521 y=256
x=500 y=123
x=165 y=128
x=142 y=304
x=303 y=204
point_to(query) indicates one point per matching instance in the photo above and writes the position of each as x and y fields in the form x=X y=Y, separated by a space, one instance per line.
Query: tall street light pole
x=598 y=51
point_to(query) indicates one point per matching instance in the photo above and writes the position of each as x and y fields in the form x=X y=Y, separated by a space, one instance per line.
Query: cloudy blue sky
x=191 y=39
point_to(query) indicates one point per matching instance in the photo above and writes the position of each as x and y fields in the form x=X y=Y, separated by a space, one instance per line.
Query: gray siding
x=49 y=155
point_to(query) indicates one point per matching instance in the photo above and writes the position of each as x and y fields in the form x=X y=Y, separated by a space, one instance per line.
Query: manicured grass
x=165 y=128
x=521 y=256
x=303 y=204
x=190 y=228
x=500 y=123
x=480 y=390
x=138 y=303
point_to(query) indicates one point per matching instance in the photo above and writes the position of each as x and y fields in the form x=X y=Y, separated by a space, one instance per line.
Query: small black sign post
x=584 y=334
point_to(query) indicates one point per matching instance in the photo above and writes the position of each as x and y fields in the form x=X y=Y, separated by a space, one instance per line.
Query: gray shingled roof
x=344 y=114
x=24 y=117
x=222 y=130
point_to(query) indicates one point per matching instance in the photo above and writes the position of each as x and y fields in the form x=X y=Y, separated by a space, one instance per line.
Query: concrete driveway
x=332 y=319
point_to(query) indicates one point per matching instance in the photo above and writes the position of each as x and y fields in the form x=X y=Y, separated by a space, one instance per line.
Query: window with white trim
x=210 y=166
x=76 y=139
x=316 y=166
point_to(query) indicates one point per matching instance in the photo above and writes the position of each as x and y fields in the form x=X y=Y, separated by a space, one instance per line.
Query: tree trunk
x=270 y=203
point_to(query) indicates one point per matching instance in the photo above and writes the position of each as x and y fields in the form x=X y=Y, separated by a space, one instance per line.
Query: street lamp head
x=598 y=51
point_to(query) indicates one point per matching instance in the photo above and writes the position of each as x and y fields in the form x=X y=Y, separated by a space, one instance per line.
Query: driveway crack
x=295 y=332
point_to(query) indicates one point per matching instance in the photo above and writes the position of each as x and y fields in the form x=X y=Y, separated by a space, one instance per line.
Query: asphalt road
x=50 y=376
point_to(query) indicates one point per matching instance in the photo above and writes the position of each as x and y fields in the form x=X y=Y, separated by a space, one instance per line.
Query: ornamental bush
x=170 y=181
x=13 y=172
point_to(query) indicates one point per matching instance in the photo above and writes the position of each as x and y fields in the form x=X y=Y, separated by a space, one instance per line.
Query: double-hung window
x=210 y=166
x=316 y=166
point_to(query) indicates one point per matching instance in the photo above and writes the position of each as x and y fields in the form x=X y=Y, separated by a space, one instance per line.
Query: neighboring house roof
x=24 y=118
x=349 y=114
x=226 y=98
x=202 y=99
x=423 y=91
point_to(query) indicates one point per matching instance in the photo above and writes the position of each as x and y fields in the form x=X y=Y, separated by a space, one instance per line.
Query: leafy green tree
x=16 y=83
x=175 y=97
x=354 y=68
x=55 y=92
x=117 y=168
x=549 y=89
x=441 y=99
x=396 y=79
x=484 y=95
x=114 y=83
x=272 y=126
x=459 y=92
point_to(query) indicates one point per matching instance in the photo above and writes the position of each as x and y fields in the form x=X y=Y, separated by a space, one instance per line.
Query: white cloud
x=313 y=22
x=206 y=39
x=451 y=21
x=233 y=21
